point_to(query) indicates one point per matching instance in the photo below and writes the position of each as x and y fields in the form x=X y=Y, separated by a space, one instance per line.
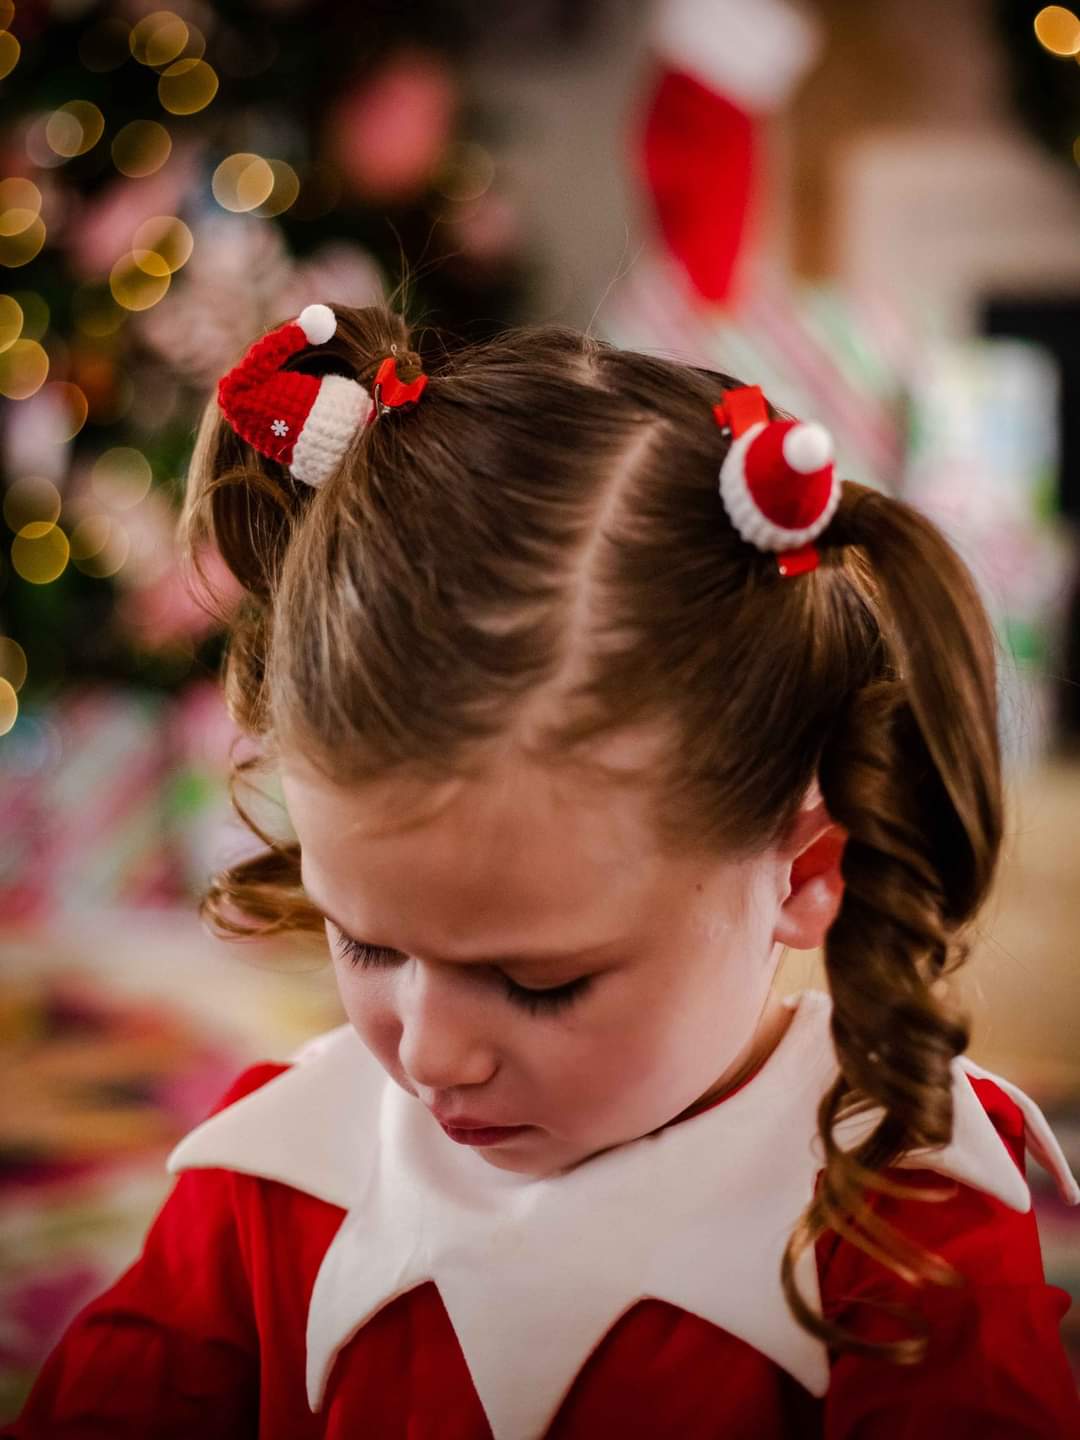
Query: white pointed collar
x=534 y=1271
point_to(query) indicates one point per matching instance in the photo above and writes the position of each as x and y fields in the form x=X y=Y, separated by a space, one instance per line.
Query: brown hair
x=537 y=558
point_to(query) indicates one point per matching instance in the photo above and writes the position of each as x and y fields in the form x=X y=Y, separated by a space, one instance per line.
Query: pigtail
x=249 y=508
x=912 y=772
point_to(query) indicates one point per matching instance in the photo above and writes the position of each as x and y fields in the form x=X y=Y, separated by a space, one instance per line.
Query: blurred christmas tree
x=175 y=182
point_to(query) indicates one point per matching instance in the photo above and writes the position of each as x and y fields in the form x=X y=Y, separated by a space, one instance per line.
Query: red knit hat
x=777 y=481
x=304 y=421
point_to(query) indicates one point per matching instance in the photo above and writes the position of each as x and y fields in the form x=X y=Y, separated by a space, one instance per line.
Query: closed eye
x=369 y=956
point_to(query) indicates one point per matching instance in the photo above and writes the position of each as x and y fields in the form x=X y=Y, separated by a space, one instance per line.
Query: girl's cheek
x=368 y=1004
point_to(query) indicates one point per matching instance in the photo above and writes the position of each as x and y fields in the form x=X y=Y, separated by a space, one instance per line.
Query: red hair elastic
x=778 y=482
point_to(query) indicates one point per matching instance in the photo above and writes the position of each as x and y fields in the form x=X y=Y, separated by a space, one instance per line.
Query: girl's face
x=537 y=962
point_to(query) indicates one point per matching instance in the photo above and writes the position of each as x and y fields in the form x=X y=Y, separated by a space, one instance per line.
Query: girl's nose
x=443 y=1042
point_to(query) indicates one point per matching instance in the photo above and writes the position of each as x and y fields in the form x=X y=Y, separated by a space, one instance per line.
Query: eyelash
x=548 y=1001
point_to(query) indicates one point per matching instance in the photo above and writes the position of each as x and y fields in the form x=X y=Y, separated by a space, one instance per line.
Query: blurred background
x=871 y=210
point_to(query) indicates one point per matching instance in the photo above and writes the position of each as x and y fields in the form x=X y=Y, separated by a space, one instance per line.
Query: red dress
x=251 y=1312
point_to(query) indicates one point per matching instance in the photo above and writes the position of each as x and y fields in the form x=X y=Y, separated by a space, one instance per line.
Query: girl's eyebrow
x=521 y=957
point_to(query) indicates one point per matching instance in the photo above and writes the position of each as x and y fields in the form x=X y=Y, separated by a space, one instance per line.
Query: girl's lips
x=482 y=1134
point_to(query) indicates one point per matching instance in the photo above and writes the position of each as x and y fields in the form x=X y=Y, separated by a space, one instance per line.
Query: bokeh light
x=106 y=45
x=22 y=230
x=187 y=87
x=165 y=237
x=90 y=537
x=158 y=38
x=95 y=311
x=20 y=204
x=286 y=188
x=132 y=283
x=11 y=321
x=36 y=313
x=38 y=150
x=74 y=128
x=9 y=53
x=466 y=172
x=7 y=13
x=13 y=665
x=121 y=477
x=71 y=408
x=9 y=706
x=39 y=553
x=141 y=148
x=242 y=181
x=24 y=368
x=1058 y=30
x=195 y=49
x=108 y=545
x=31 y=500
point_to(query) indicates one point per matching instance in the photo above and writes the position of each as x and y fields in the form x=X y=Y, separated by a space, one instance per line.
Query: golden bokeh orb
x=158 y=38
x=90 y=537
x=121 y=477
x=110 y=556
x=20 y=204
x=187 y=86
x=134 y=286
x=1057 y=29
x=11 y=321
x=168 y=238
x=13 y=665
x=25 y=244
x=242 y=181
x=39 y=553
x=74 y=128
x=9 y=706
x=10 y=50
x=282 y=196
x=141 y=148
x=31 y=500
x=24 y=368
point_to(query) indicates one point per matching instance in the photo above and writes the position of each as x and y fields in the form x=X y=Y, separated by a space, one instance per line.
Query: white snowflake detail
x=279 y=427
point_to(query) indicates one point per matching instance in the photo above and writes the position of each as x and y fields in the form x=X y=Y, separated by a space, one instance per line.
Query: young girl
x=591 y=688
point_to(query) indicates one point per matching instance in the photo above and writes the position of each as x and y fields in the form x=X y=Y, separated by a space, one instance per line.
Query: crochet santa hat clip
x=305 y=421
x=777 y=481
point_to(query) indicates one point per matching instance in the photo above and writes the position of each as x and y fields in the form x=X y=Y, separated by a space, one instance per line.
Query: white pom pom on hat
x=777 y=481
x=318 y=323
x=305 y=422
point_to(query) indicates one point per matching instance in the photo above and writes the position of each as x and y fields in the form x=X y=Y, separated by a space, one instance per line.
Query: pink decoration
x=167 y=612
x=388 y=135
x=201 y=730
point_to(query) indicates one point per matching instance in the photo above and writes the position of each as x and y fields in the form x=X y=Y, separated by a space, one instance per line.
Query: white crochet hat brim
x=748 y=519
x=341 y=407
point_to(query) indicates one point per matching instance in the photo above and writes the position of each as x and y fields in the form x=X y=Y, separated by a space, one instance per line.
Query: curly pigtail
x=912 y=772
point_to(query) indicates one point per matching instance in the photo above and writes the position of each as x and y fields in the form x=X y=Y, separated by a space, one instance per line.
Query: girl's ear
x=816 y=888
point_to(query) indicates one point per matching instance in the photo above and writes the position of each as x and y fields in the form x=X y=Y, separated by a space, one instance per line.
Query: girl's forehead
x=496 y=858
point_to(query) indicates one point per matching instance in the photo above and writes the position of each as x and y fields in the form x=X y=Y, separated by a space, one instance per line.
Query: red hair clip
x=778 y=482
x=390 y=392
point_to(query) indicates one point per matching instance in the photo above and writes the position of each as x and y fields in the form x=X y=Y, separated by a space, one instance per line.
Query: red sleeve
x=996 y=1368
x=170 y=1350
